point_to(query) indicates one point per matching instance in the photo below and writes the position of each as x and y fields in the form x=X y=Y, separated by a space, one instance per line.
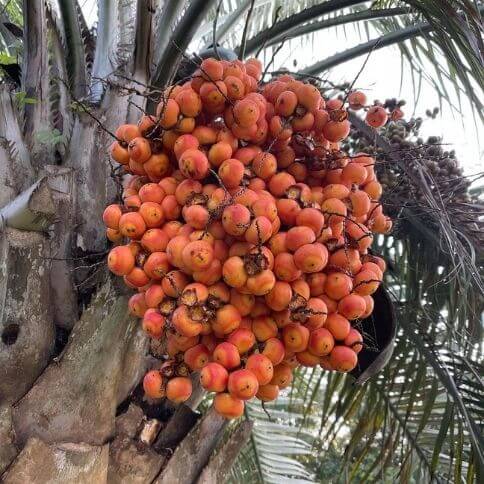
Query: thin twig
x=246 y=28
x=361 y=70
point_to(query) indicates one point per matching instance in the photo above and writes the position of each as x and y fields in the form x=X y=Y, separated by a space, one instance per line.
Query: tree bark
x=193 y=452
x=26 y=326
x=90 y=378
x=66 y=463
x=221 y=462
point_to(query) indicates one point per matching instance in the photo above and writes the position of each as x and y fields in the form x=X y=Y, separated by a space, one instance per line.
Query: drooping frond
x=277 y=445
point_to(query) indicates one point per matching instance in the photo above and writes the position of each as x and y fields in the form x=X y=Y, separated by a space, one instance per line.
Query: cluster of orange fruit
x=246 y=233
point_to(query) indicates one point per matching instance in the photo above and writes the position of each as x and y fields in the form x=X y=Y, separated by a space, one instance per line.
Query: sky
x=381 y=79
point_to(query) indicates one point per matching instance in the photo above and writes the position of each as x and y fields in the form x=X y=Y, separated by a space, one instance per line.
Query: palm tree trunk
x=60 y=400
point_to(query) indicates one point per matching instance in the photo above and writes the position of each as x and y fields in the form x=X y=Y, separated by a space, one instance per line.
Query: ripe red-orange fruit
x=274 y=350
x=259 y=231
x=373 y=189
x=231 y=172
x=264 y=328
x=243 y=339
x=375 y=268
x=354 y=340
x=357 y=100
x=280 y=182
x=189 y=102
x=151 y=192
x=321 y=342
x=261 y=283
x=334 y=210
x=338 y=285
x=282 y=375
x=227 y=319
x=194 y=164
x=152 y=214
x=287 y=211
x=295 y=337
x=228 y=406
x=299 y=236
x=154 y=240
x=360 y=203
x=139 y=149
x=236 y=219
x=311 y=258
x=157 y=265
x=111 y=215
x=280 y=296
x=154 y=295
x=305 y=358
x=267 y=393
x=265 y=207
x=197 y=255
x=317 y=312
x=366 y=282
x=174 y=250
x=338 y=326
x=227 y=355
x=197 y=216
x=214 y=377
x=335 y=131
x=121 y=260
x=132 y=225
x=369 y=307
x=153 y=384
x=243 y=302
x=335 y=190
x=285 y=267
x=286 y=103
x=246 y=113
x=233 y=271
x=153 y=323
x=235 y=88
x=312 y=218
x=184 y=323
x=343 y=359
x=212 y=69
x=352 y=306
x=277 y=243
x=243 y=384
x=197 y=357
x=211 y=274
x=137 y=278
x=183 y=143
x=346 y=259
x=137 y=305
x=168 y=112
x=261 y=366
x=264 y=165
x=179 y=389
x=219 y=152
x=119 y=153
x=376 y=117
x=316 y=283
x=354 y=173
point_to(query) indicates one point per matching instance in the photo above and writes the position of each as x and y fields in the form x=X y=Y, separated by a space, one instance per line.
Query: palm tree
x=72 y=357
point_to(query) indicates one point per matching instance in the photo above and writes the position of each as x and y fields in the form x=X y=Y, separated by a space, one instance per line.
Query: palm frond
x=73 y=41
x=277 y=445
x=182 y=35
